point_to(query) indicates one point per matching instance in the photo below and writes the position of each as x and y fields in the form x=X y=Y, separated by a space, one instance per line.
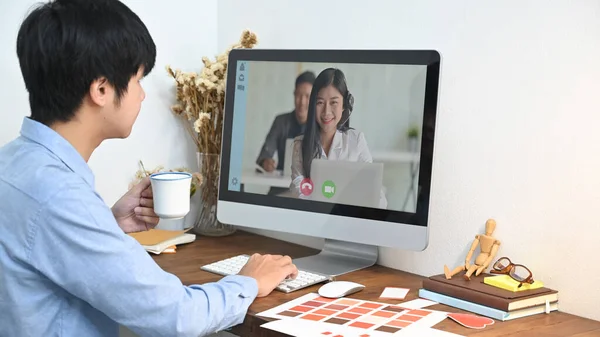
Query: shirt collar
x=337 y=140
x=336 y=144
x=55 y=143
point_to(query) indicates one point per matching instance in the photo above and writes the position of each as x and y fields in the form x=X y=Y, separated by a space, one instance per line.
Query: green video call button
x=328 y=189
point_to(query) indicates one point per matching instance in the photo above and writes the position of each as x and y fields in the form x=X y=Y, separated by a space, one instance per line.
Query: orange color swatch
x=385 y=314
x=361 y=325
x=370 y=305
x=421 y=313
x=347 y=302
x=312 y=317
x=324 y=299
x=325 y=312
x=348 y=315
x=360 y=310
x=301 y=308
x=409 y=318
x=399 y=324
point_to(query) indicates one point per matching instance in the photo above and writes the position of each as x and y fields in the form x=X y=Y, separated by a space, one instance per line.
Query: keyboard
x=232 y=266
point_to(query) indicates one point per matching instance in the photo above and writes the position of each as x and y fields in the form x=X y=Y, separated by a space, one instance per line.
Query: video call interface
x=339 y=133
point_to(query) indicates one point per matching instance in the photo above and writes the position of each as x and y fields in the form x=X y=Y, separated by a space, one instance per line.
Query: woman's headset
x=348 y=102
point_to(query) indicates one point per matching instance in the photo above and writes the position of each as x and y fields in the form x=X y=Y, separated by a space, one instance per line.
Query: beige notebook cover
x=158 y=240
x=155 y=236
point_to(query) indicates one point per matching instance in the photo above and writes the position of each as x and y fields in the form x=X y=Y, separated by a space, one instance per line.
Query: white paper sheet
x=416 y=304
x=394 y=293
x=298 y=328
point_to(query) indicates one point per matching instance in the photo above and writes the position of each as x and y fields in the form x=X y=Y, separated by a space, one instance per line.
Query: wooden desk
x=188 y=259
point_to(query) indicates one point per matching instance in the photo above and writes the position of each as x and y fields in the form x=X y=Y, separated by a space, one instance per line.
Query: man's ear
x=100 y=92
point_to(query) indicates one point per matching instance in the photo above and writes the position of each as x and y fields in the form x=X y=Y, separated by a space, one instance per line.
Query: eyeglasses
x=517 y=272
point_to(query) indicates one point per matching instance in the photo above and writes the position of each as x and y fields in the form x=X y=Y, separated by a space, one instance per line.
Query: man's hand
x=480 y=270
x=269 y=271
x=134 y=212
x=268 y=164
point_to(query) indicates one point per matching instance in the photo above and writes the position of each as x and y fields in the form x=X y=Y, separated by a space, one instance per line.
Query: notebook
x=158 y=240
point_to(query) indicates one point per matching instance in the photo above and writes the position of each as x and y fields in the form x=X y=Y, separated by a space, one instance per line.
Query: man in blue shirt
x=67 y=266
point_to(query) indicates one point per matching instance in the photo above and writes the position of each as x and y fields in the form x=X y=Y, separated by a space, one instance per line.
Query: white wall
x=517 y=135
x=158 y=137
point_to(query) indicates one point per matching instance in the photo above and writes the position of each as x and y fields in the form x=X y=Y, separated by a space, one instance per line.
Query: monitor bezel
x=429 y=58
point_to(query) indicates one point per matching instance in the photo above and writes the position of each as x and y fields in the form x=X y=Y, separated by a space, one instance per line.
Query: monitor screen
x=349 y=134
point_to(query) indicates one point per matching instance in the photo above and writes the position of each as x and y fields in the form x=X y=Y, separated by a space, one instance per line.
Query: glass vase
x=207 y=223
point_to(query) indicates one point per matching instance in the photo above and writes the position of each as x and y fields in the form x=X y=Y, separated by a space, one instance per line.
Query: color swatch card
x=356 y=317
x=300 y=328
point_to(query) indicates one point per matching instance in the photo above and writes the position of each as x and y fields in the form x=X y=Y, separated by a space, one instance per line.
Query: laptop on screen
x=346 y=182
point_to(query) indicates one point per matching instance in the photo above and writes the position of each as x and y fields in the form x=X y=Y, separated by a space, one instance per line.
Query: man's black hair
x=64 y=45
x=305 y=77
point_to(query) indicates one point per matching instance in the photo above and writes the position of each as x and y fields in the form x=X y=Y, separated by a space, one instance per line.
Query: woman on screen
x=328 y=134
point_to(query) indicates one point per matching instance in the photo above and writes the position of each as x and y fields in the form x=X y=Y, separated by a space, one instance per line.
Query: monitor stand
x=339 y=257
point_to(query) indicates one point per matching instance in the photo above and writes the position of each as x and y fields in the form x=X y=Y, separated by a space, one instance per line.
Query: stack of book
x=487 y=300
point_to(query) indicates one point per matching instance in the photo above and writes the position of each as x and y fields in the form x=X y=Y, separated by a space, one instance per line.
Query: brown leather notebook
x=478 y=292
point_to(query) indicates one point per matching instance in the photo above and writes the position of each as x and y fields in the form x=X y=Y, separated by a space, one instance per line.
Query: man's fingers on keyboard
x=285 y=260
x=291 y=271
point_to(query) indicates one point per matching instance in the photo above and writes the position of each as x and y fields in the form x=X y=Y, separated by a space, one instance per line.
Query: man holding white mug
x=67 y=265
x=171 y=194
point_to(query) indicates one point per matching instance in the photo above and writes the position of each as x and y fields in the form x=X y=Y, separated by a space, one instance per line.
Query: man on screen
x=287 y=125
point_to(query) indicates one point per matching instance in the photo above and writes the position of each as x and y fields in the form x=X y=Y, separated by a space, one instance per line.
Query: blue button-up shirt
x=67 y=269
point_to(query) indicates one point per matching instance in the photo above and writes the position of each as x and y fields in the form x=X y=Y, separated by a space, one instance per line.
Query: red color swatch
x=301 y=308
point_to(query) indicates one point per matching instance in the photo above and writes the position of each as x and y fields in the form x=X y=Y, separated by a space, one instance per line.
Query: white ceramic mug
x=171 y=191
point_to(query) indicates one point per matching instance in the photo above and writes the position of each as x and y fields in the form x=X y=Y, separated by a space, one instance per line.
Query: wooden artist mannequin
x=488 y=249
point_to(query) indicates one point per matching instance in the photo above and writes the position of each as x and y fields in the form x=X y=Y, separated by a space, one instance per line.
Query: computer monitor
x=380 y=137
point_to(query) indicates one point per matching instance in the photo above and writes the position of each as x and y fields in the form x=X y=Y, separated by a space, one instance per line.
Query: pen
x=144 y=169
x=258 y=167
